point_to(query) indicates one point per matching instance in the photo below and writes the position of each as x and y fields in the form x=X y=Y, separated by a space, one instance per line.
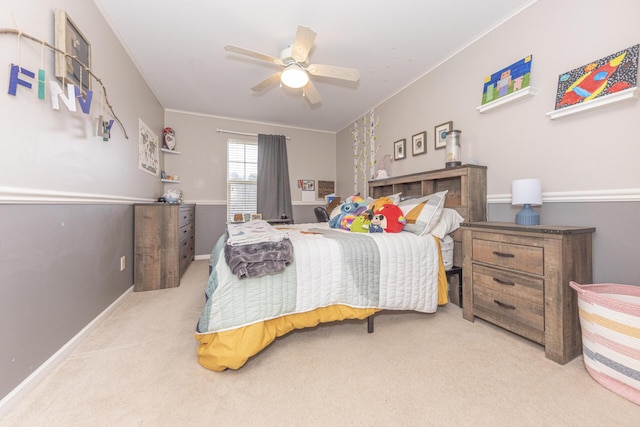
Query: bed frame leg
x=370 y=324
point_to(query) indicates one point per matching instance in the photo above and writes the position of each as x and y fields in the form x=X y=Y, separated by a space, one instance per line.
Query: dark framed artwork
x=419 y=143
x=400 y=149
x=70 y=40
x=440 y=134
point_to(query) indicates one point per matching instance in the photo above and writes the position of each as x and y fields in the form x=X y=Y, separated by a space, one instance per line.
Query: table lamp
x=526 y=192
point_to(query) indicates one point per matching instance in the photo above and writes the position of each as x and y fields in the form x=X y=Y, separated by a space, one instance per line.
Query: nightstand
x=455 y=271
x=517 y=277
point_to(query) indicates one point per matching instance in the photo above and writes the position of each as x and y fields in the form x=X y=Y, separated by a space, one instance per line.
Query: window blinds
x=242 y=167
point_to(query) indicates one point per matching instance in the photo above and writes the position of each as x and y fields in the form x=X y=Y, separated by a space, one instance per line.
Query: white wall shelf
x=507 y=99
x=166 y=150
x=623 y=95
x=171 y=181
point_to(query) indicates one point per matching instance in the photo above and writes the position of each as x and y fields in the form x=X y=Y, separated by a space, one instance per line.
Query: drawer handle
x=503 y=305
x=503 y=282
x=504 y=255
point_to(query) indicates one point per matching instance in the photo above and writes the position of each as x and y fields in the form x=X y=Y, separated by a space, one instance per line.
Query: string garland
x=44 y=44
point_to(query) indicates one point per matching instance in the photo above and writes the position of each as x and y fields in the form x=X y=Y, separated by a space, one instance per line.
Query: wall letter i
x=41 y=91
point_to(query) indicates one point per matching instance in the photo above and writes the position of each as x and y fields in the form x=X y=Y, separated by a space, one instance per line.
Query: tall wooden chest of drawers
x=517 y=277
x=164 y=244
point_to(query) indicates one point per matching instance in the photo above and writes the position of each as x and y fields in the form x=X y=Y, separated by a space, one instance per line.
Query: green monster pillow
x=361 y=224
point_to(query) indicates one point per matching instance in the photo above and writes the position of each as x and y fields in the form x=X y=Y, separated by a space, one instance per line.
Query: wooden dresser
x=517 y=277
x=164 y=244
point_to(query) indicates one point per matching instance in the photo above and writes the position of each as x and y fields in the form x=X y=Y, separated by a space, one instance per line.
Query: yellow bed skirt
x=231 y=349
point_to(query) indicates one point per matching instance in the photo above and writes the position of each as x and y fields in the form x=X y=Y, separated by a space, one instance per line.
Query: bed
x=335 y=274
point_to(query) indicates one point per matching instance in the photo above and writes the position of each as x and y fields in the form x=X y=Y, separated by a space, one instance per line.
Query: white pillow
x=395 y=199
x=423 y=213
x=449 y=222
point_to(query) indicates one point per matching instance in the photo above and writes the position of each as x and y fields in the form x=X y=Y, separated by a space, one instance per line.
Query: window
x=242 y=172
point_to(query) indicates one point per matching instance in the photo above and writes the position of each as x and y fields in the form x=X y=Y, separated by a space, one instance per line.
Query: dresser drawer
x=528 y=259
x=511 y=301
x=187 y=215
x=185 y=232
x=509 y=283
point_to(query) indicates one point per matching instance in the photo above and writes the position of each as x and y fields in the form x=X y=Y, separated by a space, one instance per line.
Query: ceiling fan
x=296 y=68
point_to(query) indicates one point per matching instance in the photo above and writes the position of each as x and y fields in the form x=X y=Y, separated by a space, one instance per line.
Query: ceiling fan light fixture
x=294 y=76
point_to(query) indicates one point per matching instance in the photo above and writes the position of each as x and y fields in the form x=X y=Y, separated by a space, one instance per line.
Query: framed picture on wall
x=308 y=185
x=419 y=142
x=440 y=134
x=71 y=41
x=148 y=149
x=400 y=149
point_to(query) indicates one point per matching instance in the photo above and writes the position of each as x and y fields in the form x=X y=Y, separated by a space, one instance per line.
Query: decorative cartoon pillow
x=388 y=218
x=361 y=223
x=349 y=210
x=379 y=202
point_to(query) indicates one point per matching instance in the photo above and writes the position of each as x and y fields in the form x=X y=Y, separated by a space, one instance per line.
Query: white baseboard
x=14 y=397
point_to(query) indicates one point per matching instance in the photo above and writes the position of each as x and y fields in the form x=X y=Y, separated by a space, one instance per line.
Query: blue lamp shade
x=527 y=192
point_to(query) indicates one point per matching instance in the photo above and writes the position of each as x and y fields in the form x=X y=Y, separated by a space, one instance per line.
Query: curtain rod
x=240 y=133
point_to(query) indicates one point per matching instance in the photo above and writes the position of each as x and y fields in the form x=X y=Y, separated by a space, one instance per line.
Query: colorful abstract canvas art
x=508 y=80
x=596 y=79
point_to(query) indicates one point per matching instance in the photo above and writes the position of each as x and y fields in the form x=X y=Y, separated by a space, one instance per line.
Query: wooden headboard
x=467 y=193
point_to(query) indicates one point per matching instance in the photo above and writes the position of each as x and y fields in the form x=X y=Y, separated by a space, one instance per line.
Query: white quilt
x=396 y=271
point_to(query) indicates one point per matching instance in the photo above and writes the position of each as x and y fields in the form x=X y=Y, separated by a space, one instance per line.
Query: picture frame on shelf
x=256 y=216
x=70 y=40
x=419 y=143
x=308 y=185
x=440 y=134
x=169 y=139
x=400 y=149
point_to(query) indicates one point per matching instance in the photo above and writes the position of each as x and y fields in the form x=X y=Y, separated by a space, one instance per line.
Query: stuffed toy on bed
x=388 y=218
x=378 y=203
x=349 y=210
x=361 y=223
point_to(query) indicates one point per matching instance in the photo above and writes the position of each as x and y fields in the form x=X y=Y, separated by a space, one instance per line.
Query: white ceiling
x=178 y=47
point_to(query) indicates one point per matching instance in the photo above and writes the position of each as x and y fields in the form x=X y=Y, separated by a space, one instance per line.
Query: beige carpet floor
x=139 y=368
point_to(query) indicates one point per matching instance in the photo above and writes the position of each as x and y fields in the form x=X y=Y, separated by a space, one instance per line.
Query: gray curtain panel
x=274 y=192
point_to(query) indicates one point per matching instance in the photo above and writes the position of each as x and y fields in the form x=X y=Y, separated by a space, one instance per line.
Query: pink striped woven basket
x=610 y=321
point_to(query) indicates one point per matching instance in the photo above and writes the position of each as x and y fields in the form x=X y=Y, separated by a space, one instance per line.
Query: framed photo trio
x=400 y=149
x=419 y=143
x=440 y=134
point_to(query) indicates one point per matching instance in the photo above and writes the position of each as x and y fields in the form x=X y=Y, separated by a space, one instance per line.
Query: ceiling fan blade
x=311 y=93
x=253 y=54
x=303 y=44
x=273 y=78
x=334 y=72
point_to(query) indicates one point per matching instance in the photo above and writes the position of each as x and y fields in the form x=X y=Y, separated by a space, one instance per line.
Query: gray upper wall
x=48 y=152
x=587 y=162
x=591 y=151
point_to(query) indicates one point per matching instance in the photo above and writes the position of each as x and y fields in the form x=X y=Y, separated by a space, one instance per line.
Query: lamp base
x=527 y=216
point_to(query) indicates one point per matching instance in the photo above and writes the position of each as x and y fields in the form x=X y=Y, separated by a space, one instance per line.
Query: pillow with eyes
x=361 y=223
x=388 y=218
